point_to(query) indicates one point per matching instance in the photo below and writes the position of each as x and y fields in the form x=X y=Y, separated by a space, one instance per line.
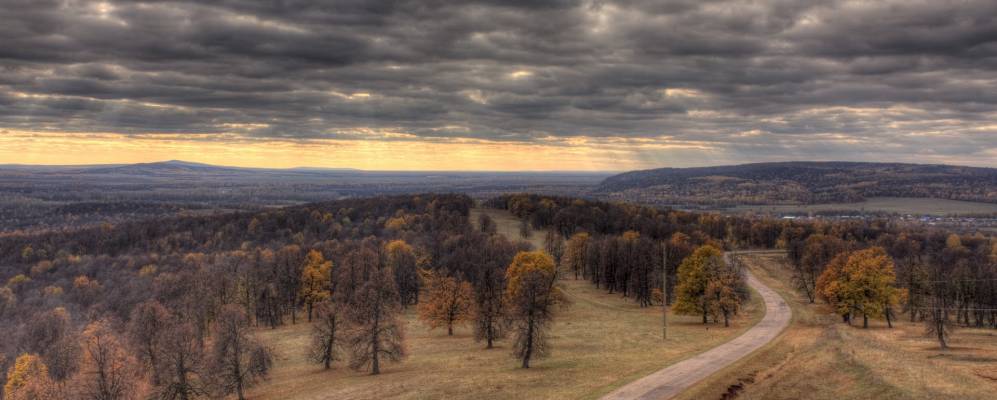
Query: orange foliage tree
x=107 y=368
x=449 y=303
x=531 y=296
x=860 y=283
x=315 y=277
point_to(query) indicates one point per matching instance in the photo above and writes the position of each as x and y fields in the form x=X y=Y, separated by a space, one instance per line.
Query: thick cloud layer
x=754 y=78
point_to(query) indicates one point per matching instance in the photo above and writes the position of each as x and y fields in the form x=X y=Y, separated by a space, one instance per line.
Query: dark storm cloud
x=752 y=76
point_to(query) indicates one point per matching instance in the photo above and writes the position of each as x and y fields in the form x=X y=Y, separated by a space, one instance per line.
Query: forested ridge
x=801 y=183
x=167 y=308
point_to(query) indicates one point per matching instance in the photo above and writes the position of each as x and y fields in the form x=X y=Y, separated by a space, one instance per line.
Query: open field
x=818 y=357
x=599 y=342
x=892 y=205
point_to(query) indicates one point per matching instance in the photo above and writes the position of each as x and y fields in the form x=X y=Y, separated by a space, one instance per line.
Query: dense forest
x=800 y=183
x=167 y=309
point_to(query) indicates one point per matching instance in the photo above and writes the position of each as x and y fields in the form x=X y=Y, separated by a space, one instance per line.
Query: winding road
x=672 y=380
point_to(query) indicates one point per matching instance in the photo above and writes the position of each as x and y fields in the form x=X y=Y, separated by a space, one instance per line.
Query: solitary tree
x=490 y=306
x=237 y=360
x=531 y=296
x=326 y=334
x=449 y=303
x=694 y=278
x=938 y=322
x=373 y=315
x=315 y=278
x=486 y=224
x=863 y=284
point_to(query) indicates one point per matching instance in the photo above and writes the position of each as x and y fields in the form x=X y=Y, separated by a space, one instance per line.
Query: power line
x=960 y=280
x=952 y=308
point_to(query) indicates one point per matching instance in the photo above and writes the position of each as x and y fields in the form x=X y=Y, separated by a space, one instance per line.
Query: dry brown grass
x=599 y=342
x=818 y=357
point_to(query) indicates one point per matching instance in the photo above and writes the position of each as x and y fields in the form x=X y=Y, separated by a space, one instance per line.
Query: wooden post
x=664 y=291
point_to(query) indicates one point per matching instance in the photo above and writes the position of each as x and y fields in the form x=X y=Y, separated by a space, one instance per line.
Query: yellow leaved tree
x=315 y=279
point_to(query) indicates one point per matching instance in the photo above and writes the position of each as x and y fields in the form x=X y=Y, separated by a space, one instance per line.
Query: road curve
x=670 y=381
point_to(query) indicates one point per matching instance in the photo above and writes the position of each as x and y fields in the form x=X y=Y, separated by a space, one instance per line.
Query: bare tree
x=326 y=332
x=51 y=334
x=525 y=231
x=554 y=245
x=375 y=331
x=181 y=361
x=237 y=360
x=145 y=329
x=486 y=224
x=490 y=322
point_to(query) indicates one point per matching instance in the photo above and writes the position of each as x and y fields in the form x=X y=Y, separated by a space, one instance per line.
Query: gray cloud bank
x=835 y=79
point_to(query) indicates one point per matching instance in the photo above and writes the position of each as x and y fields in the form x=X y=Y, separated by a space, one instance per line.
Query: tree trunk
x=940 y=330
x=529 y=344
x=889 y=321
x=327 y=359
x=375 y=346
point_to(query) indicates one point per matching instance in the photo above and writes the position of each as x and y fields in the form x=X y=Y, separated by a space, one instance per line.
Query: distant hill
x=801 y=183
x=172 y=167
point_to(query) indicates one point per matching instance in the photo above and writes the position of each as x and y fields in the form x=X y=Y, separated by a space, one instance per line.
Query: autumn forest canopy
x=169 y=309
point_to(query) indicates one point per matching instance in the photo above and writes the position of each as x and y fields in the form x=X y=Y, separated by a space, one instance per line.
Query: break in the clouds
x=751 y=80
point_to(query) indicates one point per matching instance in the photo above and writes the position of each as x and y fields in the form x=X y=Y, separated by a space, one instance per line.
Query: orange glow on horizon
x=457 y=155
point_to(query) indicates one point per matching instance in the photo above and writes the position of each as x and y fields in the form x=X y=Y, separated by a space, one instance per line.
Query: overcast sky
x=499 y=84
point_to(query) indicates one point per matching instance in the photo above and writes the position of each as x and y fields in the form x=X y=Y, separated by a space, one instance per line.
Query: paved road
x=671 y=381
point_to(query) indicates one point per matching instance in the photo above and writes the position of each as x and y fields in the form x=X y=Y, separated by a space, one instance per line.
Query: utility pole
x=664 y=290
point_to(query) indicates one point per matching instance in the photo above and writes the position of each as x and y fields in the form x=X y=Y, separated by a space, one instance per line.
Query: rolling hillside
x=801 y=183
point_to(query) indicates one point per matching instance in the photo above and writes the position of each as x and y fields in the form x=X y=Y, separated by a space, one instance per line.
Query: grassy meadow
x=891 y=205
x=818 y=357
x=598 y=342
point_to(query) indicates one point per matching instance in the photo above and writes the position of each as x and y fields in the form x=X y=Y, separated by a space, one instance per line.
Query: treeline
x=931 y=274
x=622 y=247
x=800 y=183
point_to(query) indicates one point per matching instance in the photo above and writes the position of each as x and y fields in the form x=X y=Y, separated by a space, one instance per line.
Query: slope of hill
x=164 y=168
x=801 y=183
